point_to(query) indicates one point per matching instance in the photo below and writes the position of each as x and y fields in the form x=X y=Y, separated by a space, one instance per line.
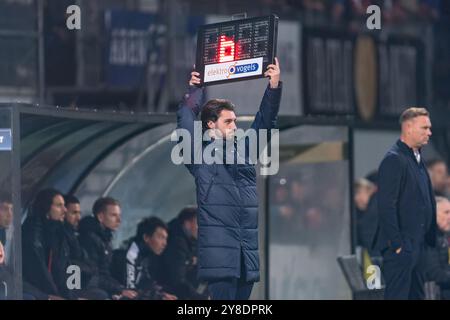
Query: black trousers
x=404 y=273
x=231 y=288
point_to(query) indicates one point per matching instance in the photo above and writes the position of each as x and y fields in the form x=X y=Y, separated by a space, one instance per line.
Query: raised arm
x=190 y=106
x=188 y=111
x=268 y=111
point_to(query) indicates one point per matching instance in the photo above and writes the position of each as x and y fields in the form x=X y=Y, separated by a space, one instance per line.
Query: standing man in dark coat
x=227 y=201
x=406 y=208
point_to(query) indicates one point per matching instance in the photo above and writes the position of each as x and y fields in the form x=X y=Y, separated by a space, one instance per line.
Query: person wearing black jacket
x=77 y=256
x=437 y=259
x=180 y=257
x=96 y=233
x=143 y=262
x=45 y=253
x=406 y=208
x=7 y=282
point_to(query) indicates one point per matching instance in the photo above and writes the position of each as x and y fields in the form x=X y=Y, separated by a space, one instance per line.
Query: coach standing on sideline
x=406 y=208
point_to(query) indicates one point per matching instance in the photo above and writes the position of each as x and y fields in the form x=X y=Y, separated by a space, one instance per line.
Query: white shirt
x=417 y=154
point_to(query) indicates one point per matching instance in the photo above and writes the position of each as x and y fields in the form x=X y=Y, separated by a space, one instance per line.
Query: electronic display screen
x=236 y=50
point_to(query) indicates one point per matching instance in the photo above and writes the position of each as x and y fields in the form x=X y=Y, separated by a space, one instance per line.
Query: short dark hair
x=70 y=198
x=431 y=163
x=148 y=226
x=187 y=214
x=43 y=202
x=412 y=113
x=101 y=204
x=212 y=109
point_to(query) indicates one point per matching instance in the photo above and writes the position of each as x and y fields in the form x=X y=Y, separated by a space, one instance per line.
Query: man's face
x=73 y=214
x=419 y=130
x=57 y=209
x=438 y=175
x=443 y=215
x=226 y=124
x=157 y=242
x=110 y=218
x=6 y=214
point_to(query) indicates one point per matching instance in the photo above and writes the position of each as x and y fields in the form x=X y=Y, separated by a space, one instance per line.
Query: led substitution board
x=236 y=50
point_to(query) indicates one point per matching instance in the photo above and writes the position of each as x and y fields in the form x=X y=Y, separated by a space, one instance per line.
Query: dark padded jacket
x=227 y=198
